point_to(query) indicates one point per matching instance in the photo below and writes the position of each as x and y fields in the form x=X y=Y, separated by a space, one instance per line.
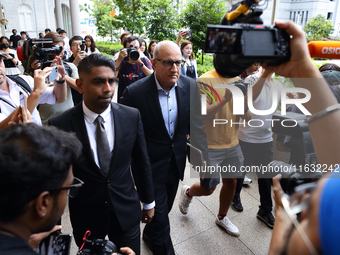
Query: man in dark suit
x=113 y=139
x=170 y=108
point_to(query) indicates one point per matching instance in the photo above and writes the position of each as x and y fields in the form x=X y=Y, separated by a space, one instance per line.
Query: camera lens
x=134 y=55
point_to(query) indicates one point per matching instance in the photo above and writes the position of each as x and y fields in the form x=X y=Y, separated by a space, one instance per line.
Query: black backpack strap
x=21 y=82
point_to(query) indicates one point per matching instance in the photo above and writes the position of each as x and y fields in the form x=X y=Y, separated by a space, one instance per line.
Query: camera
x=82 y=46
x=243 y=86
x=34 y=49
x=132 y=53
x=303 y=167
x=242 y=40
x=98 y=247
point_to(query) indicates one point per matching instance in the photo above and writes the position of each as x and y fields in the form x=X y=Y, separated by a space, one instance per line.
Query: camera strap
x=21 y=82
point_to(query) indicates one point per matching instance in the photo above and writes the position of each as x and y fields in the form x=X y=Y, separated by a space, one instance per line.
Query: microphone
x=324 y=49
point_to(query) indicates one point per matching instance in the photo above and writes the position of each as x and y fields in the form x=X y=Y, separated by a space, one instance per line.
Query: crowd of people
x=119 y=156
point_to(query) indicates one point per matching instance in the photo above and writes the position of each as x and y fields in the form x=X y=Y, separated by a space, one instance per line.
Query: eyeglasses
x=169 y=63
x=295 y=204
x=72 y=189
x=76 y=45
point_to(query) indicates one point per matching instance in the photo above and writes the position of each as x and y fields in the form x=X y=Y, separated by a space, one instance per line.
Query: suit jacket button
x=169 y=159
x=105 y=202
x=173 y=145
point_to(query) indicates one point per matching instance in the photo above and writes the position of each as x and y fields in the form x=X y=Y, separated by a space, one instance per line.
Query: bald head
x=165 y=46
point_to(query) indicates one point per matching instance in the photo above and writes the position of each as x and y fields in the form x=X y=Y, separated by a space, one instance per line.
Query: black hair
x=23 y=32
x=14 y=30
x=58 y=29
x=151 y=42
x=129 y=39
x=124 y=34
x=33 y=159
x=75 y=38
x=62 y=31
x=47 y=30
x=95 y=60
x=146 y=53
x=329 y=67
x=3 y=37
x=93 y=44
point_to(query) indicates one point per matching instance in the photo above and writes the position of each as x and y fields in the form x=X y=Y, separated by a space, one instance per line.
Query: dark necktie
x=103 y=148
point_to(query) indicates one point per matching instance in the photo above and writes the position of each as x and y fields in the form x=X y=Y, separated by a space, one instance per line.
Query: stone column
x=47 y=19
x=59 y=14
x=75 y=17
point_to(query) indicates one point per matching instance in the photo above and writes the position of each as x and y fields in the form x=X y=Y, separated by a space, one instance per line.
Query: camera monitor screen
x=258 y=43
x=221 y=40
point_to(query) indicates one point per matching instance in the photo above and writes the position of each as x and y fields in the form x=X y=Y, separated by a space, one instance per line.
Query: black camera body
x=239 y=46
x=34 y=49
x=82 y=46
x=132 y=53
x=243 y=86
x=98 y=247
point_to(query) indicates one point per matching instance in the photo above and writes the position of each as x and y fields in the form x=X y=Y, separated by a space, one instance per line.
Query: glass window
x=25 y=18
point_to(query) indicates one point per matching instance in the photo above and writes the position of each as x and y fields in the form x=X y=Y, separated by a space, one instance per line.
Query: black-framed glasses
x=73 y=188
x=169 y=63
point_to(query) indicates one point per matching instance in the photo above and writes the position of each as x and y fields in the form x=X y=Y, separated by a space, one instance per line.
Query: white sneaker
x=247 y=180
x=228 y=226
x=184 y=200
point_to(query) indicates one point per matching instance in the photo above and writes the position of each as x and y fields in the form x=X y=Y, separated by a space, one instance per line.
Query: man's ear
x=153 y=62
x=43 y=204
x=79 y=84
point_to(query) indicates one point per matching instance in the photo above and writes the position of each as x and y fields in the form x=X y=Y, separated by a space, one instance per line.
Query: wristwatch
x=141 y=65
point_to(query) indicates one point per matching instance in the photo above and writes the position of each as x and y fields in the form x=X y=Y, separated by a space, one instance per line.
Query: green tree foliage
x=318 y=28
x=160 y=19
x=197 y=14
x=129 y=17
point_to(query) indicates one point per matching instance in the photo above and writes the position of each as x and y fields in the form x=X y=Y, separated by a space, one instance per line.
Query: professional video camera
x=242 y=40
x=132 y=53
x=34 y=49
x=303 y=167
x=97 y=247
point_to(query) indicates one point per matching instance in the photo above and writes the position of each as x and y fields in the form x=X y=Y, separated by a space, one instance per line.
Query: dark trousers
x=158 y=230
x=120 y=238
x=256 y=154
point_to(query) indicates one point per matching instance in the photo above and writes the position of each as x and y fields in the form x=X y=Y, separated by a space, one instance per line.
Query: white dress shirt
x=168 y=102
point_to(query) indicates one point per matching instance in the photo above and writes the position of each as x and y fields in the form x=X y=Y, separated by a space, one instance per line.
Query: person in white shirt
x=91 y=47
x=12 y=94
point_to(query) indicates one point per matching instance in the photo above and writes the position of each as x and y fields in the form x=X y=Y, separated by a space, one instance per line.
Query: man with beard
x=113 y=139
x=35 y=179
x=12 y=93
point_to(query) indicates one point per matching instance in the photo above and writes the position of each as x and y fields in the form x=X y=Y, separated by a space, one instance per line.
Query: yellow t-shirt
x=222 y=135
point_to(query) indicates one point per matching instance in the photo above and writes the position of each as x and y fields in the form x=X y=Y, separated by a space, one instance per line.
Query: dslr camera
x=242 y=40
x=132 y=53
x=98 y=247
x=34 y=49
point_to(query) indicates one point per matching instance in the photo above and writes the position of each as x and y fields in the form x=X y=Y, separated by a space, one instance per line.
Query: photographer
x=13 y=93
x=77 y=52
x=317 y=220
x=47 y=110
x=35 y=179
x=130 y=70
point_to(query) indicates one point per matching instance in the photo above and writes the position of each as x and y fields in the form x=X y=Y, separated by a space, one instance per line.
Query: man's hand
x=79 y=57
x=148 y=215
x=227 y=96
x=39 y=79
x=299 y=64
x=35 y=239
x=122 y=55
x=61 y=69
x=126 y=250
x=21 y=115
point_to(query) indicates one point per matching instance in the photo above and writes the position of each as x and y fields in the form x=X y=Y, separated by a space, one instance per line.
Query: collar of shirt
x=91 y=116
x=159 y=86
x=14 y=93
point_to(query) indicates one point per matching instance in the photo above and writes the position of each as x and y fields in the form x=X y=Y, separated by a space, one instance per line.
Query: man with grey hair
x=170 y=107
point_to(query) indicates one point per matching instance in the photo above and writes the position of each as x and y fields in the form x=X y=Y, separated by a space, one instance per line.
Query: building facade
x=34 y=16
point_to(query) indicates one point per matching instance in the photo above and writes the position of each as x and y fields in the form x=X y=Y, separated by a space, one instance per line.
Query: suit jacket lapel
x=118 y=132
x=79 y=127
x=155 y=107
x=181 y=102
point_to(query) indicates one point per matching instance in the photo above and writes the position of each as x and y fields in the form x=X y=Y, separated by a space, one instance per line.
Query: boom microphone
x=324 y=49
